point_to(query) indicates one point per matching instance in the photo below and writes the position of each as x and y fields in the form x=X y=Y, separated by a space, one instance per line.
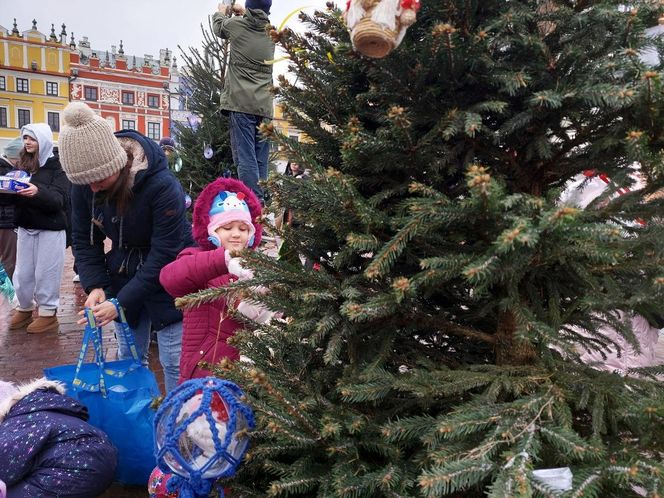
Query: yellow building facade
x=282 y=125
x=34 y=79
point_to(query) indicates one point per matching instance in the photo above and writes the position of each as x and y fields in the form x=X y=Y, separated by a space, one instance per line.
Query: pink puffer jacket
x=207 y=327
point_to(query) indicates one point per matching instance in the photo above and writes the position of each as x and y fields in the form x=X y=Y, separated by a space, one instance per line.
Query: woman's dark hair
x=120 y=192
x=28 y=162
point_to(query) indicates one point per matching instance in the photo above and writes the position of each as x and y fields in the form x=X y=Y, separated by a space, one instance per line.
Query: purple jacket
x=48 y=449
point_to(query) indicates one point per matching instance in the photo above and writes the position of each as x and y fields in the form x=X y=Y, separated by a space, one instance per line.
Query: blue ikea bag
x=118 y=395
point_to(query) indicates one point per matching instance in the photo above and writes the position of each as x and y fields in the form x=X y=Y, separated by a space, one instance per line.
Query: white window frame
x=147 y=129
x=22 y=79
x=49 y=124
x=57 y=88
x=18 y=125
x=150 y=96
x=128 y=92
x=96 y=89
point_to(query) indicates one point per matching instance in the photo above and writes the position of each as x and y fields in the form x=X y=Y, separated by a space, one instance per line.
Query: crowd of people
x=118 y=187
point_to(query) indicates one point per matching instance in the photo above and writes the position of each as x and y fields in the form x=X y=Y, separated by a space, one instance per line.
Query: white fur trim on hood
x=44 y=136
x=24 y=390
x=133 y=147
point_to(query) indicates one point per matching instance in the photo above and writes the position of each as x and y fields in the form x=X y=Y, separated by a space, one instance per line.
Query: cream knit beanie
x=89 y=152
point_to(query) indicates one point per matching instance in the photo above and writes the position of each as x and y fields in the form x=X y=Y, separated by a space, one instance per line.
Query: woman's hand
x=30 y=191
x=104 y=313
x=95 y=298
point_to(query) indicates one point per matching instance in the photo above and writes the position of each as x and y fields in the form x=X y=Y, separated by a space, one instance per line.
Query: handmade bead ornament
x=201 y=434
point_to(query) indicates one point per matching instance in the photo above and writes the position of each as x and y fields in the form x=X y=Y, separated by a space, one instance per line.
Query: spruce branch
x=437 y=322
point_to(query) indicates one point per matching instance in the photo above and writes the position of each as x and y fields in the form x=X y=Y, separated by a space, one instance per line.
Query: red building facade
x=130 y=95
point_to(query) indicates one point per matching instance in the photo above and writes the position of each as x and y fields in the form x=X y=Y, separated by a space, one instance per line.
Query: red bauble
x=410 y=5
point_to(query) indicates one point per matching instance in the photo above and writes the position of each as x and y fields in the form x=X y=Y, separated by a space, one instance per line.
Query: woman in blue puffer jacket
x=124 y=191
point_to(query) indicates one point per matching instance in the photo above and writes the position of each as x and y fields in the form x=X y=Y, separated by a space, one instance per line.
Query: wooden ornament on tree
x=378 y=26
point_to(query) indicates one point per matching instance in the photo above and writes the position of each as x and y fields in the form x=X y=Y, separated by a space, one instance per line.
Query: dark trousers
x=8 y=250
x=250 y=150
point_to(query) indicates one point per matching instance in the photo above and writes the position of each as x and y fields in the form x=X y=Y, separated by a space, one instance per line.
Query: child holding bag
x=225 y=222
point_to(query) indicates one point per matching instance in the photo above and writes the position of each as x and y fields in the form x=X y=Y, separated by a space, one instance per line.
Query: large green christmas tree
x=433 y=349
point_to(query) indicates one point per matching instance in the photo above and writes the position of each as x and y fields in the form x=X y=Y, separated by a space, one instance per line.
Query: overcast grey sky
x=145 y=26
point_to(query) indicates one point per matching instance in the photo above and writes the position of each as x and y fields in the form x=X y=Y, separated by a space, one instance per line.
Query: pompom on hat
x=89 y=152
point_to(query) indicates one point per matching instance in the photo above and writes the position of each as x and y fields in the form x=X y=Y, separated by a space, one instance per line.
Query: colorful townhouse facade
x=34 y=79
x=129 y=92
x=40 y=74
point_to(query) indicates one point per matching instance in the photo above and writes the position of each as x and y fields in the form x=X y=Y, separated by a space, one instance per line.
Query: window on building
x=51 y=88
x=128 y=124
x=153 y=101
x=22 y=85
x=90 y=93
x=53 y=119
x=154 y=131
x=3 y=83
x=23 y=117
x=3 y=117
x=128 y=98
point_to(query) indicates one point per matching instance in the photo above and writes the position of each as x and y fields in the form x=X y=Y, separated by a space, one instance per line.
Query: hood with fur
x=52 y=399
x=44 y=136
x=204 y=203
x=148 y=158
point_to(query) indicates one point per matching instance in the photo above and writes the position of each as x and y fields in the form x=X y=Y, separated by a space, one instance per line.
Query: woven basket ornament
x=378 y=26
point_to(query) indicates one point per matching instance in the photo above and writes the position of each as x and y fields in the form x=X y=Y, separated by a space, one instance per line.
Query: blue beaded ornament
x=201 y=434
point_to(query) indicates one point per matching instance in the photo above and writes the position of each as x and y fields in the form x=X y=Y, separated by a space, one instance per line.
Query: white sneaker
x=76 y=278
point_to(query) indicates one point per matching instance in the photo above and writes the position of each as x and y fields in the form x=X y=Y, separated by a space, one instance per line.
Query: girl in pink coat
x=225 y=222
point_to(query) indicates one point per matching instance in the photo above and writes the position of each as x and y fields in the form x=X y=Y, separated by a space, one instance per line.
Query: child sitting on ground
x=48 y=448
x=225 y=222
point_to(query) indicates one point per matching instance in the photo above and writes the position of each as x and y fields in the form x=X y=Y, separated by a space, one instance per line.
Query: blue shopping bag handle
x=93 y=333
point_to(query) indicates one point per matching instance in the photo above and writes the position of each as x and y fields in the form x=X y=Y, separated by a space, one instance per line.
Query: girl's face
x=104 y=184
x=31 y=145
x=233 y=236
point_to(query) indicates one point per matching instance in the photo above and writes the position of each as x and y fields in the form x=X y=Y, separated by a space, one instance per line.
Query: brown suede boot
x=44 y=324
x=20 y=319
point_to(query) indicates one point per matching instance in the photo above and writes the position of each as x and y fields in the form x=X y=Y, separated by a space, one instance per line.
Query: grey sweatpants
x=40 y=260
